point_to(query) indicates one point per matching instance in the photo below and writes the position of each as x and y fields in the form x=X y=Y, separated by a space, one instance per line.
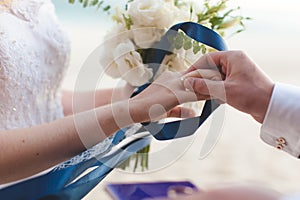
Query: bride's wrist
x=150 y=108
x=138 y=110
x=119 y=115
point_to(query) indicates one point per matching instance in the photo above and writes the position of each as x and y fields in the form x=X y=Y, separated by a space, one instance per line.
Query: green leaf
x=196 y=47
x=178 y=40
x=176 y=2
x=215 y=21
x=191 y=12
x=106 y=8
x=85 y=3
x=187 y=43
x=203 y=49
x=94 y=2
x=99 y=4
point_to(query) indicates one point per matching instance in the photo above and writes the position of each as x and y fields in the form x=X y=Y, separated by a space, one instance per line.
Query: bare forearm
x=36 y=149
x=75 y=102
x=24 y=152
x=41 y=147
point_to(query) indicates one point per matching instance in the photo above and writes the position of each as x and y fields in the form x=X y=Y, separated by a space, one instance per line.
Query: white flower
x=191 y=58
x=179 y=61
x=146 y=37
x=115 y=36
x=130 y=64
x=175 y=62
x=183 y=11
x=152 y=13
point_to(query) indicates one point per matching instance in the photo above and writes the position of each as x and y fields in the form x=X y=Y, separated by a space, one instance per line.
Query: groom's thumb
x=206 y=87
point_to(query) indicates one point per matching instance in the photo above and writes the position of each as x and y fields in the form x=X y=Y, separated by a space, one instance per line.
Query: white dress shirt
x=281 y=126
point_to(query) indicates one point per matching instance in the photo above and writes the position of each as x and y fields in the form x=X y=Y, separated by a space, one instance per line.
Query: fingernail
x=188 y=83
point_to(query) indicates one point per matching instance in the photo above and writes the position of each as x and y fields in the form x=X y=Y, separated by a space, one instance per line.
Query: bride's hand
x=161 y=97
x=177 y=112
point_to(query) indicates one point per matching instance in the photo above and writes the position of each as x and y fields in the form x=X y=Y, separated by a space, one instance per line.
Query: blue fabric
x=189 y=126
x=61 y=184
x=58 y=184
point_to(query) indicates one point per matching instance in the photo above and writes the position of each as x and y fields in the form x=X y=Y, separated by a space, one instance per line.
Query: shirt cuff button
x=279 y=146
x=281 y=140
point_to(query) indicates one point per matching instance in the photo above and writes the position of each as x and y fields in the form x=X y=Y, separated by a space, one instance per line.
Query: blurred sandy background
x=271 y=39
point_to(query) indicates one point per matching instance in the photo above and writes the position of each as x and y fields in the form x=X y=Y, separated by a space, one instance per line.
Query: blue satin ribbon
x=186 y=127
x=62 y=184
x=58 y=184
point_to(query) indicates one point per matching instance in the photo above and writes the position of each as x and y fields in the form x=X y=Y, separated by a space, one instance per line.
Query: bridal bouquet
x=142 y=23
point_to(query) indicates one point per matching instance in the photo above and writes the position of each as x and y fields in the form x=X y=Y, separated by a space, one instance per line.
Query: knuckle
x=240 y=54
x=208 y=60
x=199 y=85
x=233 y=57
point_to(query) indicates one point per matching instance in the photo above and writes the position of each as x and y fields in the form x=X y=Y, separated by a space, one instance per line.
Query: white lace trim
x=97 y=151
x=93 y=152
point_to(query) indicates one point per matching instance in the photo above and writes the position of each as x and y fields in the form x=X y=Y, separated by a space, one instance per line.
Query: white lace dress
x=34 y=55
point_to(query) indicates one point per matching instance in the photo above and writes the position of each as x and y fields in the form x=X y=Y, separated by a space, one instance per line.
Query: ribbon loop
x=185 y=127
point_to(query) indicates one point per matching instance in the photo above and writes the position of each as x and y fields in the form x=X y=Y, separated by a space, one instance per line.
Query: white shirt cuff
x=281 y=126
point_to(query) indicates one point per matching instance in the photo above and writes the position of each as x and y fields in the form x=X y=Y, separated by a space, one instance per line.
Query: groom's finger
x=214 y=89
x=208 y=61
x=205 y=73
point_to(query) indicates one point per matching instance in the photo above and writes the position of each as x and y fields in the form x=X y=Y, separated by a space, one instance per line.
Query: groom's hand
x=240 y=82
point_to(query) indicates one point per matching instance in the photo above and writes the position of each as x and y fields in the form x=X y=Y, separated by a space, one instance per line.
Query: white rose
x=184 y=12
x=146 y=37
x=152 y=13
x=130 y=64
x=173 y=62
x=176 y=61
x=114 y=37
x=184 y=56
x=179 y=61
x=191 y=58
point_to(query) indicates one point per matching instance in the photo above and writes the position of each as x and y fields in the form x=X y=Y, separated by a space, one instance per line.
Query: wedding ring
x=182 y=81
